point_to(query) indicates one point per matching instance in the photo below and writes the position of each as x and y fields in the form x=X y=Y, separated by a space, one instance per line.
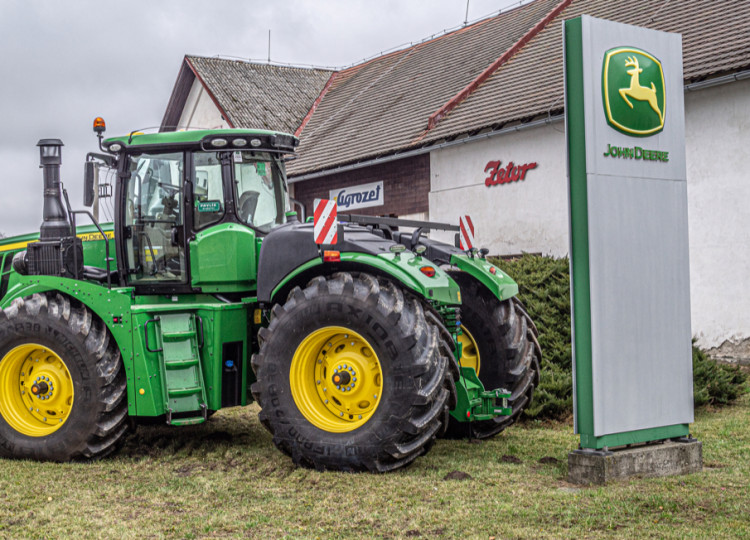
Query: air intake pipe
x=55 y=224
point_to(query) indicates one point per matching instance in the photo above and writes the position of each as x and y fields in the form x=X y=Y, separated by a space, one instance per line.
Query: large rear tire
x=500 y=342
x=62 y=383
x=352 y=375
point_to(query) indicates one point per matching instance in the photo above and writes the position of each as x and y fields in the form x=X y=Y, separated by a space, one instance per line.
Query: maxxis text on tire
x=506 y=339
x=416 y=382
x=96 y=419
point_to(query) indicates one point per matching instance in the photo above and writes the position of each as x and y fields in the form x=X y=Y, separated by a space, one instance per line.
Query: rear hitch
x=475 y=403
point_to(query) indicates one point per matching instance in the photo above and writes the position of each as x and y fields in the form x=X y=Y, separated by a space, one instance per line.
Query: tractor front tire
x=62 y=382
x=352 y=375
x=500 y=343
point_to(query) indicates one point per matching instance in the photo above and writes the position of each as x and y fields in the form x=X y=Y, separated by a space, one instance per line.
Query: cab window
x=208 y=189
x=260 y=190
x=154 y=218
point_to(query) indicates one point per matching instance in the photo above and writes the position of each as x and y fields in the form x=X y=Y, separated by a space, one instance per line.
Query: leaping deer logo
x=638 y=92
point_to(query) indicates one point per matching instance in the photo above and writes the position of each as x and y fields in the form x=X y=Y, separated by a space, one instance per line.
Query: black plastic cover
x=291 y=245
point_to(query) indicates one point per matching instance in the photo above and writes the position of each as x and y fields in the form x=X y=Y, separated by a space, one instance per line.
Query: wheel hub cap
x=36 y=390
x=336 y=379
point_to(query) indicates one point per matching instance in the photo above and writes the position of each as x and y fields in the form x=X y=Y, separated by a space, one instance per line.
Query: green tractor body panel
x=223 y=326
x=183 y=138
x=93 y=252
x=224 y=259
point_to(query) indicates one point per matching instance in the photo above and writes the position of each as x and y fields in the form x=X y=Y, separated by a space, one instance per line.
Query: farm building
x=471 y=122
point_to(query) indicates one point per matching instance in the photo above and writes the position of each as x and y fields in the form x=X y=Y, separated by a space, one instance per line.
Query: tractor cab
x=183 y=198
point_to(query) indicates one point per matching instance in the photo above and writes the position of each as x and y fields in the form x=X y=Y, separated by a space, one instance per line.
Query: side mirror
x=90 y=181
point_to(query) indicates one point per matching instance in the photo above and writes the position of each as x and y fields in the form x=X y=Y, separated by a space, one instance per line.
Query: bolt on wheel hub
x=336 y=379
x=36 y=390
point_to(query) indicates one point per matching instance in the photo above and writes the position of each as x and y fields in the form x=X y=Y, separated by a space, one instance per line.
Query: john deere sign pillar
x=629 y=251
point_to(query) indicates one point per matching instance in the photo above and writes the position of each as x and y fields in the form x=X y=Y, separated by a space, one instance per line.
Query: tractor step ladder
x=184 y=391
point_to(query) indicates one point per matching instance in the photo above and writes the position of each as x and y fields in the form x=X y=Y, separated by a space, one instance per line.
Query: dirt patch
x=457 y=475
x=511 y=459
x=185 y=470
x=549 y=460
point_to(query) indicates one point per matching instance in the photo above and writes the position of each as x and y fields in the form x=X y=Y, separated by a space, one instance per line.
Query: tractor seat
x=98 y=274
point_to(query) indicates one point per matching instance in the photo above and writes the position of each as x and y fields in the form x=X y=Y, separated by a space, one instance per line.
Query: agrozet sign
x=362 y=196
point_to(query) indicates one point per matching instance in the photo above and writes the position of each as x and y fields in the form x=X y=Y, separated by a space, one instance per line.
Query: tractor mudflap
x=476 y=403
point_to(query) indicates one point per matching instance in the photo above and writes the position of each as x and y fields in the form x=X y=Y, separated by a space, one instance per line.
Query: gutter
x=734 y=77
x=693 y=87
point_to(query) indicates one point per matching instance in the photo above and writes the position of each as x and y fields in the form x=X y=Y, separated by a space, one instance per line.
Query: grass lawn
x=225 y=479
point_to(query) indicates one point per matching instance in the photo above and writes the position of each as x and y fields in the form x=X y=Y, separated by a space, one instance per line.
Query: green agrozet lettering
x=636 y=152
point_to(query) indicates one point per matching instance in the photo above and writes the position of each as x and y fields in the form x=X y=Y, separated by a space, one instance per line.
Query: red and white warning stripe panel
x=326 y=224
x=466 y=233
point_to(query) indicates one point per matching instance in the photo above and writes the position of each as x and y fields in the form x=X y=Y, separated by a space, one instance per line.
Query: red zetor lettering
x=525 y=168
x=492 y=166
x=505 y=173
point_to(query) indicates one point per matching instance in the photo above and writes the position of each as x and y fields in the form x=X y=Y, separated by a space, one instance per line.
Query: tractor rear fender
x=497 y=281
x=404 y=268
x=289 y=257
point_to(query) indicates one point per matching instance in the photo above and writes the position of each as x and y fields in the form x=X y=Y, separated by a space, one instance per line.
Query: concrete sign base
x=681 y=456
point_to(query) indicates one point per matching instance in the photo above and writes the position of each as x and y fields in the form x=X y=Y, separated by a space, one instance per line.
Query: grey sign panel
x=640 y=306
x=641 y=364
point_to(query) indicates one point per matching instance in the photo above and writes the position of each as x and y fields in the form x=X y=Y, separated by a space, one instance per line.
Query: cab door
x=222 y=250
x=156 y=258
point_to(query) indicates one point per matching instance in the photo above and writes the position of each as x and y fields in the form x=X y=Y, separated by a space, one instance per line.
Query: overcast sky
x=65 y=62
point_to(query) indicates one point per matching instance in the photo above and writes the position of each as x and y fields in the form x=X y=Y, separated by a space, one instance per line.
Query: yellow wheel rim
x=469 y=350
x=36 y=391
x=336 y=379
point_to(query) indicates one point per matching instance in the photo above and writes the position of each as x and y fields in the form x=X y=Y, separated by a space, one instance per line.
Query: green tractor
x=206 y=291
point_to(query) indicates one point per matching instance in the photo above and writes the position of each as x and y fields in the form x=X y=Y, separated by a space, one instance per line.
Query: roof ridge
x=315 y=104
x=465 y=92
x=263 y=63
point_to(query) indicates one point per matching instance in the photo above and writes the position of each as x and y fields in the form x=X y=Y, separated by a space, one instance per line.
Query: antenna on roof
x=466 y=17
x=269 y=45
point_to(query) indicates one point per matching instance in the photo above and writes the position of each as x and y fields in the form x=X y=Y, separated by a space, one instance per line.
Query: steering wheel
x=247 y=205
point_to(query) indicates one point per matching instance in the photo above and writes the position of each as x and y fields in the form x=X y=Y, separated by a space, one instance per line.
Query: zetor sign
x=504 y=175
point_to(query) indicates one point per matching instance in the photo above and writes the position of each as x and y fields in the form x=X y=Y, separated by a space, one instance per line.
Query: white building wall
x=200 y=111
x=717 y=127
x=532 y=215
x=529 y=215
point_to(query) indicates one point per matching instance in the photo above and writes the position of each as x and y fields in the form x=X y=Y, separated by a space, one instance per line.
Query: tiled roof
x=384 y=105
x=715 y=39
x=261 y=96
x=380 y=106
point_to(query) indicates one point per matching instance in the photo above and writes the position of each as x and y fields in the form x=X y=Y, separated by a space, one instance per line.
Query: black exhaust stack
x=55 y=225
x=58 y=252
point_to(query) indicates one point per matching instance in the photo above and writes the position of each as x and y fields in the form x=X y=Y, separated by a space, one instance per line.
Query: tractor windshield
x=260 y=189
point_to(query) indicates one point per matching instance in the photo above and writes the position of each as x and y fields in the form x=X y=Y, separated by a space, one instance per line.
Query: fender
x=404 y=268
x=497 y=281
x=289 y=252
